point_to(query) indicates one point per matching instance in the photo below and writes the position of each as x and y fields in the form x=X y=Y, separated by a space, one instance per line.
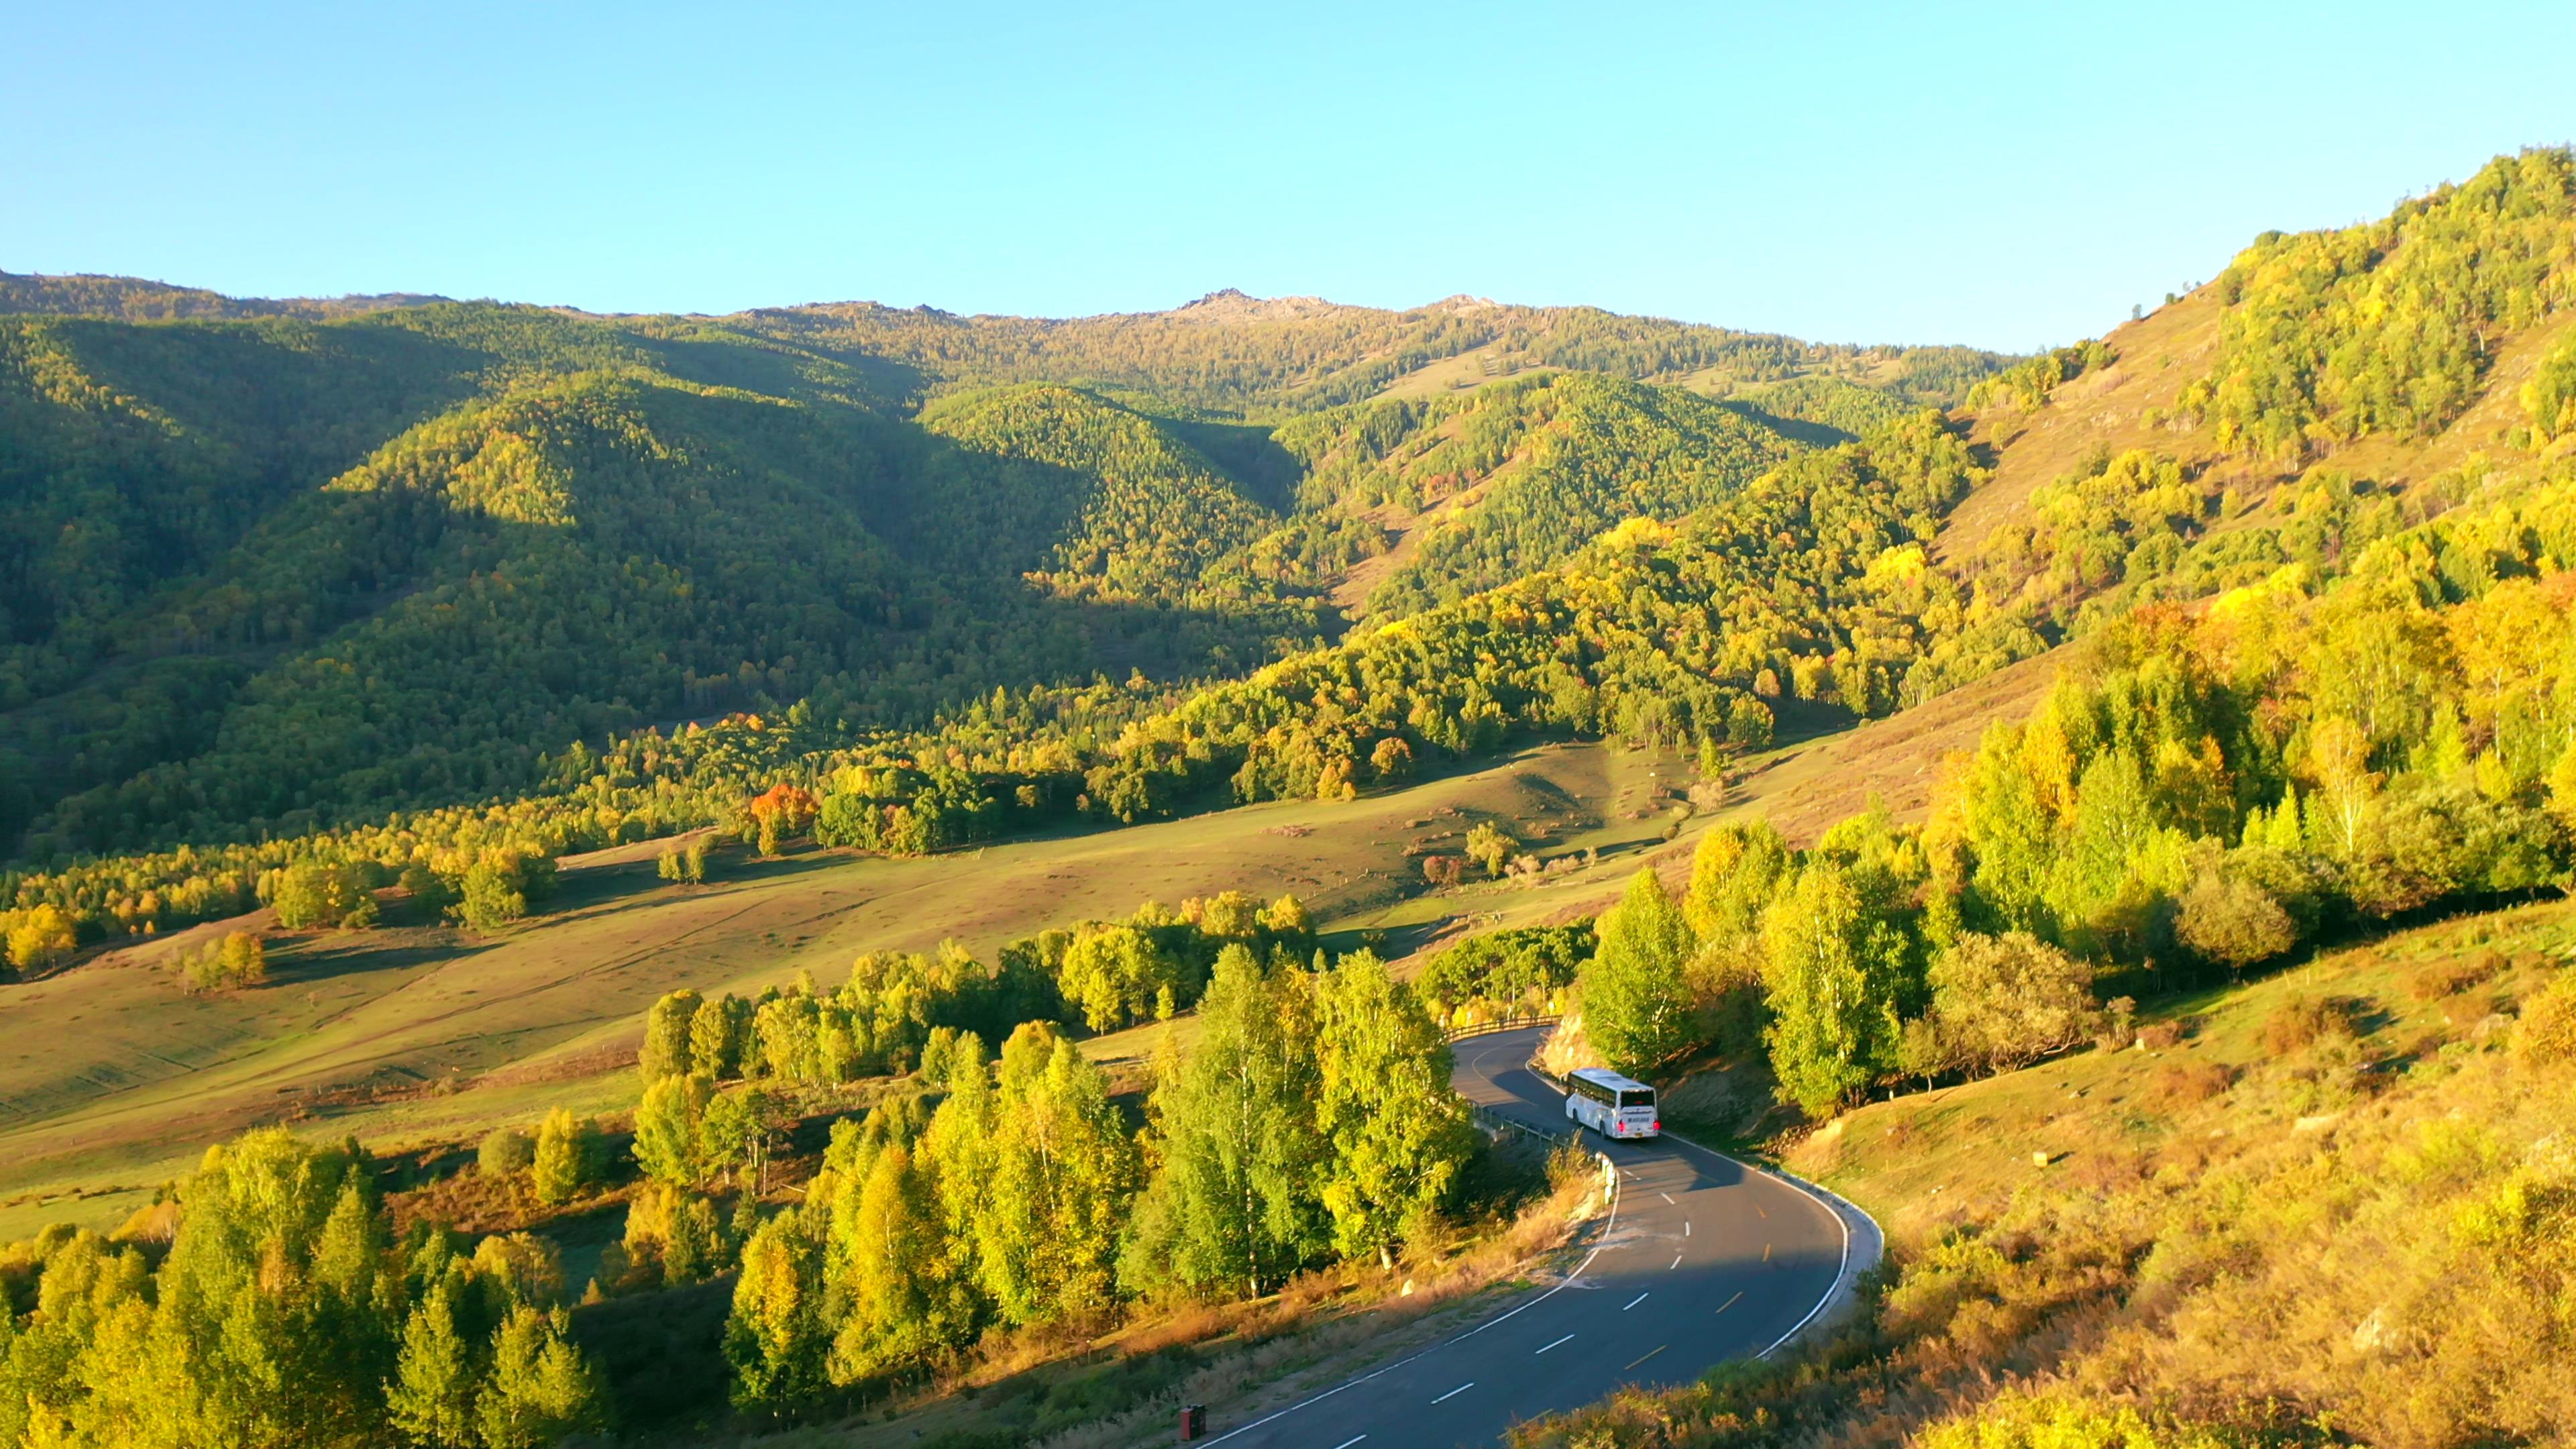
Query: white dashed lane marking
x=1633 y=1302
x=1567 y=1339
x=1453 y=1393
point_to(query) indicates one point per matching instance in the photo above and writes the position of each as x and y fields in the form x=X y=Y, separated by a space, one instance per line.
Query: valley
x=841 y=874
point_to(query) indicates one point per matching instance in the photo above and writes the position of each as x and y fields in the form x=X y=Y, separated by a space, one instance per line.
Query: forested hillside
x=269 y=573
x=1839 y=584
x=1287 y=354
x=1515 y=476
x=261 y=575
x=2317 y=548
x=135 y=300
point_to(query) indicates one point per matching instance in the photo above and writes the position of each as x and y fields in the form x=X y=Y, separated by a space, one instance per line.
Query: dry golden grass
x=2355 y=1223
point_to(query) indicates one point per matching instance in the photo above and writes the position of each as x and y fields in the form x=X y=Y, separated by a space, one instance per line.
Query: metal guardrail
x=1495 y=1122
x=1489 y=1028
x=1487 y=1117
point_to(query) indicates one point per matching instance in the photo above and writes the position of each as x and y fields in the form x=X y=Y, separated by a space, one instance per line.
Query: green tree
x=492 y=896
x=775 y=1338
x=1636 y=1005
x=955 y=1155
x=668 y=1026
x=313 y=894
x=2005 y=816
x=886 y=1232
x=1236 y=1200
x=1835 y=974
x=668 y=1123
x=567 y=1156
x=1491 y=846
x=715 y=1040
x=734 y=1136
x=1734 y=871
x=672 y=1238
x=1398 y=1133
x=539 y=1390
x=1113 y=974
x=431 y=1399
x=1062 y=1172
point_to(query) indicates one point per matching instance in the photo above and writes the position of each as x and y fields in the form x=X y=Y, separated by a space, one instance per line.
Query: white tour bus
x=1610 y=1104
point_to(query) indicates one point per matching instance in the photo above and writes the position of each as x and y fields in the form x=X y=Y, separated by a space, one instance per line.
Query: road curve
x=1702 y=1260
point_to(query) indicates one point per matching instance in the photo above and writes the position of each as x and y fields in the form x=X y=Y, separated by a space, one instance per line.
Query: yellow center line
x=1658 y=1348
x=1766 y=1252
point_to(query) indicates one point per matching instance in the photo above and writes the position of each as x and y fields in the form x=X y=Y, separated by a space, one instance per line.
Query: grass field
x=1926 y=1161
x=421 y=1033
x=411 y=1034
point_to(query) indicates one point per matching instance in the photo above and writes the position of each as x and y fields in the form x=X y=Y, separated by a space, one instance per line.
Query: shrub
x=2187 y=1082
x=2119 y=1025
x=2437 y=979
x=2547 y=1031
x=505 y=1150
x=2017 y=1420
x=2000 y=1002
x=2302 y=1022
x=2233 y=921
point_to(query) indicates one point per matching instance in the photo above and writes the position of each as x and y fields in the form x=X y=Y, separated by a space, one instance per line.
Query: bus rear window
x=1636 y=1099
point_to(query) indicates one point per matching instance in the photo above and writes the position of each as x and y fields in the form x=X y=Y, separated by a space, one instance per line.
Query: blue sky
x=1995 y=174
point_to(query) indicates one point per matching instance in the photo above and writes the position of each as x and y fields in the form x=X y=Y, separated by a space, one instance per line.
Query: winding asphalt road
x=1702 y=1260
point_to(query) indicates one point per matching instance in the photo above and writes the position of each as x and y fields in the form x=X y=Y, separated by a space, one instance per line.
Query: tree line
x=2200 y=794
x=1311 y=1120
x=285 y=1310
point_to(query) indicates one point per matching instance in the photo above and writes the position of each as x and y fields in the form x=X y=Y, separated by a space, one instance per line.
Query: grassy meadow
x=411 y=1035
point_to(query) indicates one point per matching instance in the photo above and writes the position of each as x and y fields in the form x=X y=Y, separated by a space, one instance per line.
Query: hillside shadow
x=1814 y=435
x=718 y=357
x=926 y=605
x=243 y=384
x=1247 y=453
x=323 y=958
